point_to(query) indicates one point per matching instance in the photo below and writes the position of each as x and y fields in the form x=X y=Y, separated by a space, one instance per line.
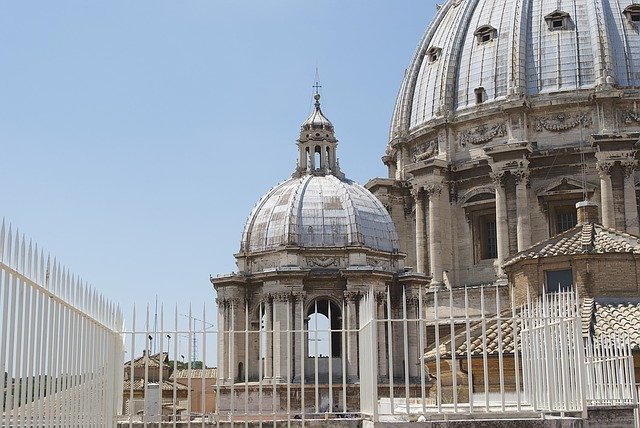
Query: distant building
x=156 y=370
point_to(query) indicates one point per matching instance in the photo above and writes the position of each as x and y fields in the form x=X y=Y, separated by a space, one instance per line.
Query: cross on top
x=317 y=87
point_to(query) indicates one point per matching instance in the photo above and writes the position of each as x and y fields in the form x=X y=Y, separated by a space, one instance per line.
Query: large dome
x=319 y=211
x=482 y=51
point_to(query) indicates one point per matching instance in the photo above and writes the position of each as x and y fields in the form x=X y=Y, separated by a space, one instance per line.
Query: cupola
x=317 y=145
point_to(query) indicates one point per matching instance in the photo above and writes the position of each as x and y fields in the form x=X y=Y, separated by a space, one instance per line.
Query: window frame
x=485 y=34
x=561 y=287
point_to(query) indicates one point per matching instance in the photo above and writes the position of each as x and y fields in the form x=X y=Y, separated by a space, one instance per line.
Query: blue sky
x=136 y=136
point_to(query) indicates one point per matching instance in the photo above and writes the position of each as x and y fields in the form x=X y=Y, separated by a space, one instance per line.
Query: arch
x=471 y=194
x=328 y=308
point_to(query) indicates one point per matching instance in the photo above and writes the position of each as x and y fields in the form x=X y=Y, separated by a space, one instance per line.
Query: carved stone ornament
x=628 y=116
x=322 y=262
x=433 y=189
x=521 y=175
x=483 y=134
x=351 y=296
x=498 y=177
x=629 y=167
x=281 y=297
x=604 y=168
x=424 y=150
x=563 y=122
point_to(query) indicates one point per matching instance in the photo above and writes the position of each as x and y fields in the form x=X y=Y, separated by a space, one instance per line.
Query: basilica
x=514 y=136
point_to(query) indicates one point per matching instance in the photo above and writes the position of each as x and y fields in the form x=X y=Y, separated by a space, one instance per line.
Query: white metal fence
x=60 y=347
x=480 y=356
x=384 y=354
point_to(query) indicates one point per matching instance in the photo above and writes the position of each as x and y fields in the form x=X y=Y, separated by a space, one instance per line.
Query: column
x=522 y=208
x=606 y=194
x=281 y=346
x=351 y=298
x=435 y=250
x=502 y=228
x=221 y=339
x=630 y=206
x=420 y=222
x=231 y=345
x=412 y=334
x=383 y=366
x=268 y=363
x=299 y=336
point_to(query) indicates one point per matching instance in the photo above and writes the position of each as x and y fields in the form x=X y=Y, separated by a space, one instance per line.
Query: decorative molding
x=563 y=122
x=628 y=116
x=322 y=262
x=483 y=134
x=424 y=150
x=281 y=297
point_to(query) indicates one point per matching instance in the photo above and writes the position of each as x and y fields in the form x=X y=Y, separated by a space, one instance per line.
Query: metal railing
x=60 y=346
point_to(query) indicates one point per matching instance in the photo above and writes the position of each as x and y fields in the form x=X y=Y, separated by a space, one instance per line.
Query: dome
x=479 y=52
x=319 y=211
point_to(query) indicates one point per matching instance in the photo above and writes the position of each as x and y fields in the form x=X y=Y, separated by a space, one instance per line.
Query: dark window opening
x=489 y=239
x=559 y=280
x=564 y=217
x=485 y=34
x=433 y=54
x=480 y=95
x=557 y=23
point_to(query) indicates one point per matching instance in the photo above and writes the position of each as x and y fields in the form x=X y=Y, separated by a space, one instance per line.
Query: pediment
x=564 y=185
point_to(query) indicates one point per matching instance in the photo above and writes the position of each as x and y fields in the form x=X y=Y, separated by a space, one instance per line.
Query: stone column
x=351 y=298
x=435 y=250
x=232 y=336
x=522 y=208
x=281 y=347
x=502 y=228
x=383 y=366
x=300 y=340
x=412 y=335
x=630 y=206
x=420 y=222
x=606 y=194
x=222 y=337
x=268 y=316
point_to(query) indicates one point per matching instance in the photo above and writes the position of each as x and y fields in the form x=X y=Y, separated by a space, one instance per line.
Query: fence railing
x=438 y=354
x=395 y=354
x=60 y=347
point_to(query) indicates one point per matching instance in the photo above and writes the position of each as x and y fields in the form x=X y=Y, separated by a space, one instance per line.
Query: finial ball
x=316 y=97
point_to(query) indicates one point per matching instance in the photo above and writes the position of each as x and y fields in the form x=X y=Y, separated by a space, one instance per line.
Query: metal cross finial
x=317 y=87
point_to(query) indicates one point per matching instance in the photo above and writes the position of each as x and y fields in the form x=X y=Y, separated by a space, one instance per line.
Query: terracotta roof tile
x=582 y=239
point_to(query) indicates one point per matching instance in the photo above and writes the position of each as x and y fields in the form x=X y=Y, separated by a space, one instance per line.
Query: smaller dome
x=317 y=120
x=319 y=211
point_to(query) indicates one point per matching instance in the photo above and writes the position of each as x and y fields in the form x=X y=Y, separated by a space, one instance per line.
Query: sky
x=136 y=136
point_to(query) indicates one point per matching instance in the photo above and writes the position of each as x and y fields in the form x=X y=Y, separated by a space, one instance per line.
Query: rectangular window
x=559 y=280
x=566 y=218
x=489 y=237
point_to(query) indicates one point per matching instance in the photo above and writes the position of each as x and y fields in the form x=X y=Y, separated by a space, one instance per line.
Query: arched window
x=324 y=324
x=632 y=12
x=433 y=54
x=485 y=34
x=318 y=158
